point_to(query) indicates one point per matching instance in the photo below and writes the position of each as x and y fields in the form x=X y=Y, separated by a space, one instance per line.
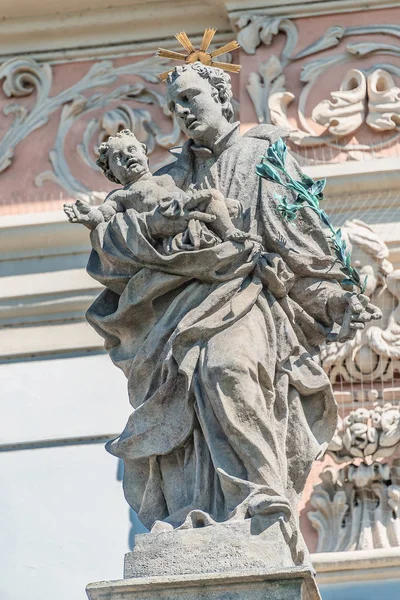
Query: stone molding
x=62 y=29
x=300 y=8
x=38 y=236
x=252 y=586
x=43 y=300
x=46 y=298
x=357 y=566
x=46 y=243
x=48 y=339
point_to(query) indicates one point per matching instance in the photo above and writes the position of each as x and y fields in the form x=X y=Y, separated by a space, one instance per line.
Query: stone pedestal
x=290 y=584
x=246 y=560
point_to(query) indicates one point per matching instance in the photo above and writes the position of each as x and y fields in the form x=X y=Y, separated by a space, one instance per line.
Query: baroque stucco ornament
x=357 y=507
x=366 y=433
x=375 y=100
x=25 y=77
x=368 y=95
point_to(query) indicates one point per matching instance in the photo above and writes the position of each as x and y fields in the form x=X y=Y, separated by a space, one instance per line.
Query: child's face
x=127 y=159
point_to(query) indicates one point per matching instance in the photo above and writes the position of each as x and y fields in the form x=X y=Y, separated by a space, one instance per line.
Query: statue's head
x=123 y=158
x=199 y=96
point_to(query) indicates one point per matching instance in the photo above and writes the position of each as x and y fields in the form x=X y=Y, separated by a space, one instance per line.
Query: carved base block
x=291 y=584
x=246 y=560
x=231 y=546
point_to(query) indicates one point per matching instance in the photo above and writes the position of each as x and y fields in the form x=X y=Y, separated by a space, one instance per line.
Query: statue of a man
x=217 y=341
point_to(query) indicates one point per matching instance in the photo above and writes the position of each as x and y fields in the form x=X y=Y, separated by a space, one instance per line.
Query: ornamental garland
x=309 y=193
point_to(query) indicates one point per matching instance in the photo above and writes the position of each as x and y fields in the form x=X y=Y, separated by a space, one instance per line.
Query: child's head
x=123 y=158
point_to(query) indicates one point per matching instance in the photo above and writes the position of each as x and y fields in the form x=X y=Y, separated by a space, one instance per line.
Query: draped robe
x=217 y=345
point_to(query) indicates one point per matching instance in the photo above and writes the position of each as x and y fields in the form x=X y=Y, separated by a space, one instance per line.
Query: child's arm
x=111 y=205
x=85 y=214
x=81 y=212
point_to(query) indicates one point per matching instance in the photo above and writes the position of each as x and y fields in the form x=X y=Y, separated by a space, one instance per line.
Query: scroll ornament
x=368 y=95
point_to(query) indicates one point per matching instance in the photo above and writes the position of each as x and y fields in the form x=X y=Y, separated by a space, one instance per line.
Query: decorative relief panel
x=375 y=100
x=369 y=94
x=113 y=107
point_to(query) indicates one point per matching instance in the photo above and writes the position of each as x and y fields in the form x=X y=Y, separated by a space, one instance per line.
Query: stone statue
x=217 y=338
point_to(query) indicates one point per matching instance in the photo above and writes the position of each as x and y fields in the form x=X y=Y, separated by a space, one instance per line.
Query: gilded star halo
x=201 y=55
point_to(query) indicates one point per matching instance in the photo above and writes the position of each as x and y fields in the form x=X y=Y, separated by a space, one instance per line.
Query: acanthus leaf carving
x=357 y=507
x=362 y=49
x=22 y=77
x=122 y=117
x=255 y=29
x=267 y=82
x=330 y=39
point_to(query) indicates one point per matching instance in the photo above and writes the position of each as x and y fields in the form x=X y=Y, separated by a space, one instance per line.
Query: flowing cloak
x=217 y=345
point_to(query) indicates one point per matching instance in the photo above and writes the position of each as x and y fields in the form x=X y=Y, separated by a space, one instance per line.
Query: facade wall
x=72 y=76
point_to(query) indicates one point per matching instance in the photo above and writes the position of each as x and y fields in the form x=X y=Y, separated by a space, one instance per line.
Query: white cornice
x=40 y=235
x=304 y=8
x=44 y=298
x=357 y=566
x=369 y=191
x=36 y=309
x=133 y=29
x=43 y=312
x=56 y=30
x=358 y=178
x=51 y=339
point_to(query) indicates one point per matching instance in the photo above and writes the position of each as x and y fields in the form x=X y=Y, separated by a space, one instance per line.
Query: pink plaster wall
x=19 y=193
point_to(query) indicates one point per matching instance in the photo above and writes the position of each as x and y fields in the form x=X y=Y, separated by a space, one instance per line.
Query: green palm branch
x=309 y=193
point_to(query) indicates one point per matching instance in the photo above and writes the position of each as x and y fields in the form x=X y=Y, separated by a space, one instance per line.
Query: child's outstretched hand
x=82 y=212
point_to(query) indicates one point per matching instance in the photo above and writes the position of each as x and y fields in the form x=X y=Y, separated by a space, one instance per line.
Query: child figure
x=124 y=160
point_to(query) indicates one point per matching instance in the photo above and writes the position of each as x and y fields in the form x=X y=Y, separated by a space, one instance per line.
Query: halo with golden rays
x=192 y=55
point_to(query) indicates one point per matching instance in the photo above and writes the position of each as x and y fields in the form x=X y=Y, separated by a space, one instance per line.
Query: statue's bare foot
x=236 y=235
